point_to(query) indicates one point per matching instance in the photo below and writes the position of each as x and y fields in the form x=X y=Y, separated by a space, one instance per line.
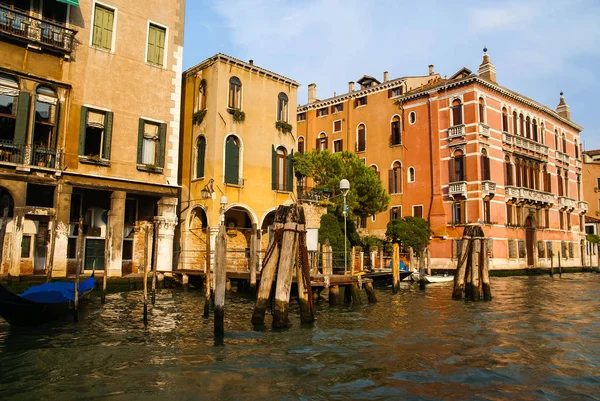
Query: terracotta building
x=462 y=150
x=89 y=129
x=237 y=142
x=591 y=189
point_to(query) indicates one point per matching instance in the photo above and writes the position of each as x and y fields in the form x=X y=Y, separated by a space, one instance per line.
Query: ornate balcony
x=565 y=203
x=562 y=157
x=24 y=156
x=484 y=130
x=488 y=189
x=578 y=163
x=583 y=207
x=17 y=24
x=507 y=138
x=312 y=194
x=457 y=189
x=530 y=145
x=527 y=195
x=458 y=131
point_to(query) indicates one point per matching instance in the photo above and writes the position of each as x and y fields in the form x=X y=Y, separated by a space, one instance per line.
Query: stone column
x=114 y=233
x=164 y=225
x=61 y=239
x=212 y=237
x=15 y=242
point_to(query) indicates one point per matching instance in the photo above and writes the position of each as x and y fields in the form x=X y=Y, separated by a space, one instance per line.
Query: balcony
x=530 y=145
x=29 y=155
x=583 y=207
x=457 y=190
x=17 y=24
x=312 y=194
x=484 y=130
x=488 y=189
x=458 y=131
x=562 y=157
x=507 y=138
x=527 y=195
x=565 y=203
x=578 y=163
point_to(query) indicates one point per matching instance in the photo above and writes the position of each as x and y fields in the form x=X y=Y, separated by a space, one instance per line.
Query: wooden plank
x=266 y=281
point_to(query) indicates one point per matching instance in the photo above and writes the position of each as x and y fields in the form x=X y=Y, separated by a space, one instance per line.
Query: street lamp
x=223 y=202
x=345 y=187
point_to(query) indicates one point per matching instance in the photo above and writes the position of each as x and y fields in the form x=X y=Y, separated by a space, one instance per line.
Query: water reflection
x=538 y=339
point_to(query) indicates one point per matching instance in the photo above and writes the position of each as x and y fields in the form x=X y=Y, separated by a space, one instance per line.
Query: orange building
x=458 y=151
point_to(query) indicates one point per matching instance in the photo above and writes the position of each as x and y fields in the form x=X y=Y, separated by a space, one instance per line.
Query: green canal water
x=538 y=339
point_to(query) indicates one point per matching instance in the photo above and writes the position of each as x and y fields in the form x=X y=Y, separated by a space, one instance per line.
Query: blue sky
x=539 y=47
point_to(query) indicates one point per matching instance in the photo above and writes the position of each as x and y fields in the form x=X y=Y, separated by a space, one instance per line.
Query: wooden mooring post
x=422 y=280
x=146 y=265
x=560 y=263
x=472 y=272
x=220 y=280
x=207 y=281
x=305 y=296
x=78 y=268
x=253 y=259
x=395 y=268
x=107 y=255
x=370 y=293
x=334 y=295
x=551 y=254
x=155 y=259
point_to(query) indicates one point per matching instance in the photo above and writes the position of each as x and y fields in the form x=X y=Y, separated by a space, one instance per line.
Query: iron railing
x=30 y=155
x=312 y=194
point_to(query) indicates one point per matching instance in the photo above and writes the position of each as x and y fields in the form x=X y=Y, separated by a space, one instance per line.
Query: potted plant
x=283 y=126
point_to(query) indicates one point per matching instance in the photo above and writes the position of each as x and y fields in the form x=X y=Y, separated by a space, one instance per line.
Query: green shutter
x=103 y=28
x=200 y=159
x=107 y=29
x=162 y=142
x=108 y=122
x=140 y=140
x=82 y=129
x=232 y=162
x=151 y=45
x=22 y=118
x=290 y=172
x=160 y=45
x=274 y=167
x=57 y=121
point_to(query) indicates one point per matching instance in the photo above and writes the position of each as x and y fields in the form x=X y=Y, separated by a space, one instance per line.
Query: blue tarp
x=56 y=293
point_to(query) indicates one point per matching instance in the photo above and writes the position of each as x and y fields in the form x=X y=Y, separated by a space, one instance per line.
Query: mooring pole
x=395 y=268
x=155 y=258
x=207 y=280
x=267 y=274
x=146 y=264
x=560 y=263
x=422 y=280
x=485 y=270
x=220 y=280
x=253 y=258
x=51 y=247
x=551 y=263
x=459 y=278
x=289 y=246
x=78 y=268
x=107 y=253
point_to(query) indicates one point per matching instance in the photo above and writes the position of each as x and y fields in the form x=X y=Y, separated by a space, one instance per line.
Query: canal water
x=538 y=339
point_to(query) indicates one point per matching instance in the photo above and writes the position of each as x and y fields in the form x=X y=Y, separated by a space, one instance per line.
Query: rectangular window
x=301 y=117
x=72 y=248
x=568 y=215
x=519 y=215
x=337 y=108
x=361 y=101
x=151 y=143
x=127 y=249
x=361 y=222
x=395 y=213
x=337 y=146
x=418 y=211
x=102 y=32
x=395 y=92
x=26 y=247
x=322 y=112
x=458 y=212
x=509 y=217
x=598 y=183
x=561 y=220
x=487 y=215
x=337 y=126
x=95 y=133
x=547 y=218
x=156 y=45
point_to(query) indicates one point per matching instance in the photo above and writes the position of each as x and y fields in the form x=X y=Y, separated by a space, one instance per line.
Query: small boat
x=41 y=303
x=433 y=279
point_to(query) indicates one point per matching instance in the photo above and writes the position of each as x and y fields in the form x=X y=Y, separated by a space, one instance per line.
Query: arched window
x=556 y=143
x=559 y=179
x=361 y=138
x=528 y=127
x=519 y=172
x=235 y=93
x=521 y=125
x=301 y=145
x=515 y=124
x=232 y=160
x=564 y=143
x=202 y=94
x=534 y=130
x=485 y=166
x=9 y=95
x=481 y=110
x=576 y=150
x=546 y=177
x=200 y=156
x=457 y=167
x=411 y=174
x=280 y=169
x=282 y=107
x=508 y=171
x=457 y=112
x=395 y=178
x=395 y=133
x=504 y=120
x=566 y=182
x=321 y=141
x=45 y=120
x=375 y=169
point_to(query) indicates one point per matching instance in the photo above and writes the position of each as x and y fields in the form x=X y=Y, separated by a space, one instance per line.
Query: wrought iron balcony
x=17 y=24
x=312 y=194
x=566 y=203
x=457 y=131
x=488 y=188
x=457 y=189
x=29 y=155
x=583 y=207
x=527 y=195
x=484 y=130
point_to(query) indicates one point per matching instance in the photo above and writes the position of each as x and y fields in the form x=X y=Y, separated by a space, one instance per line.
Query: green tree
x=409 y=232
x=593 y=238
x=366 y=196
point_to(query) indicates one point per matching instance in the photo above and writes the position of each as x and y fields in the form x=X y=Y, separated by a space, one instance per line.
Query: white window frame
x=396 y=207
x=422 y=210
x=341 y=126
x=412 y=113
x=113 y=41
x=408 y=174
x=333 y=146
x=166 y=28
x=228 y=92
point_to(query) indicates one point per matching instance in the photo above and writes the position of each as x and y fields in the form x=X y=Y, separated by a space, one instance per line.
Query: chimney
x=385 y=76
x=312 y=93
x=563 y=108
x=351 y=86
x=487 y=70
x=251 y=62
x=431 y=69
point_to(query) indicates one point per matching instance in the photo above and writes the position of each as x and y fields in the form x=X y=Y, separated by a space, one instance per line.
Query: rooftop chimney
x=563 y=108
x=312 y=93
x=251 y=62
x=385 y=76
x=431 y=69
x=487 y=70
x=351 y=86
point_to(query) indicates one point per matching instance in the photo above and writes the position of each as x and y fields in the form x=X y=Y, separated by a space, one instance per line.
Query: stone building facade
x=462 y=150
x=89 y=106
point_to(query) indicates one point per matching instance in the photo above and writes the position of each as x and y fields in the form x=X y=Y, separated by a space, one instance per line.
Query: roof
x=242 y=64
x=594 y=152
x=592 y=220
x=368 y=78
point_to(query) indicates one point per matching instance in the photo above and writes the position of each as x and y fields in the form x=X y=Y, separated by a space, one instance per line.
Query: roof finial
x=484 y=49
x=561 y=93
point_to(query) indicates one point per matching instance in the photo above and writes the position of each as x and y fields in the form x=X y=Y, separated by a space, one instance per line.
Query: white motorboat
x=433 y=279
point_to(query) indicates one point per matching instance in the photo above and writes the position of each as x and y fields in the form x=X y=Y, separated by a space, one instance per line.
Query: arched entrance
x=195 y=238
x=530 y=239
x=265 y=229
x=238 y=222
x=7 y=206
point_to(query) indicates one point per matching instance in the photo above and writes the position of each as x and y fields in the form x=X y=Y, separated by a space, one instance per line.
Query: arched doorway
x=7 y=206
x=238 y=223
x=195 y=247
x=266 y=229
x=529 y=239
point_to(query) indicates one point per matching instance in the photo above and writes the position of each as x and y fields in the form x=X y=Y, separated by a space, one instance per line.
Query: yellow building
x=237 y=141
x=90 y=108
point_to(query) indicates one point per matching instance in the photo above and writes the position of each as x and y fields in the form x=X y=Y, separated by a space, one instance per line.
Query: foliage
x=238 y=115
x=371 y=241
x=284 y=127
x=409 y=232
x=366 y=196
x=330 y=230
x=593 y=238
x=202 y=86
x=198 y=117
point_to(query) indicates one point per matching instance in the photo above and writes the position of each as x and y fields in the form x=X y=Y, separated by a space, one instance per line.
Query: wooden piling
x=428 y=261
x=356 y=299
x=284 y=274
x=422 y=280
x=107 y=255
x=78 y=268
x=220 y=279
x=252 y=260
x=267 y=275
x=485 y=270
x=334 y=294
x=351 y=262
x=51 y=248
x=560 y=263
x=411 y=257
x=207 y=281
x=185 y=281
x=303 y=279
x=381 y=261
x=155 y=258
x=551 y=263
x=395 y=268
x=370 y=293
x=475 y=265
x=461 y=267
x=146 y=265
x=347 y=294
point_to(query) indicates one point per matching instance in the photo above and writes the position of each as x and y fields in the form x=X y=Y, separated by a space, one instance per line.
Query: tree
x=409 y=232
x=366 y=196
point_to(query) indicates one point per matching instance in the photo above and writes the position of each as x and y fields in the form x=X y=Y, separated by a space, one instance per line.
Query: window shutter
x=162 y=144
x=201 y=157
x=451 y=170
x=325 y=143
x=57 y=122
x=22 y=118
x=140 y=140
x=391 y=181
x=273 y=168
x=463 y=212
x=290 y=172
x=108 y=121
x=232 y=158
x=341 y=145
x=107 y=31
x=317 y=145
x=82 y=129
x=151 y=45
x=160 y=46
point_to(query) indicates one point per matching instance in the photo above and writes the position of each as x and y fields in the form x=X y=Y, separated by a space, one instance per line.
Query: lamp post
x=223 y=201
x=345 y=187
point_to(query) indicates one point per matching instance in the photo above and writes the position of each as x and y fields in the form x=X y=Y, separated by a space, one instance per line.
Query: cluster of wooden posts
x=472 y=278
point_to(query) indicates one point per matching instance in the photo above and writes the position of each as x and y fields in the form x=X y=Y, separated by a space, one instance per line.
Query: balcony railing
x=20 y=25
x=528 y=195
x=30 y=155
x=578 y=163
x=566 y=203
x=312 y=194
x=507 y=138
x=456 y=132
x=457 y=189
x=488 y=188
x=583 y=207
x=484 y=130
x=562 y=157
x=531 y=145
